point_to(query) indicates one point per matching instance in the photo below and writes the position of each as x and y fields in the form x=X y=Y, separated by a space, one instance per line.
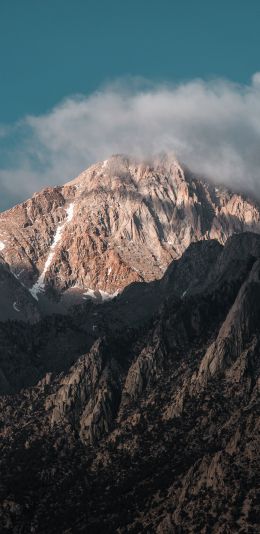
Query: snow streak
x=39 y=286
x=99 y=295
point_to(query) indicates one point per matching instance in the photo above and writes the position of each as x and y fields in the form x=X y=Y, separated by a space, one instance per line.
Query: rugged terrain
x=154 y=425
x=119 y=222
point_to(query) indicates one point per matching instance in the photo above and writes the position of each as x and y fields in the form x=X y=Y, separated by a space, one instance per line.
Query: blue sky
x=81 y=79
x=54 y=48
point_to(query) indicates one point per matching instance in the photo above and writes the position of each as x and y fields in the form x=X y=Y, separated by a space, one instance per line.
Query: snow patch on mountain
x=99 y=295
x=15 y=307
x=39 y=286
x=108 y=296
x=70 y=212
x=2 y=245
x=90 y=293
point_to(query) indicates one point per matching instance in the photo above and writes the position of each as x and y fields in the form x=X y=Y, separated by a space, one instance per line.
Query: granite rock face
x=154 y=427
x=120 y=221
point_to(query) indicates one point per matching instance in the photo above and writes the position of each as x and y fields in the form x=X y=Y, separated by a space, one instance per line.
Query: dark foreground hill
x=140 y=414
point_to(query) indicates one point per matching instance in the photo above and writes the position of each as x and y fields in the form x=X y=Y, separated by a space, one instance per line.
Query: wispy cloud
x=214 y=127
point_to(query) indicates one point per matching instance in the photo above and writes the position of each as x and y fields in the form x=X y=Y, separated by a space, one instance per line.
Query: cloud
x=256 y=79
x=213 y=127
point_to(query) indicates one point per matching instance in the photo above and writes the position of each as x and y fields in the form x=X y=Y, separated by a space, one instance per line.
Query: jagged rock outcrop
x=120 y=221
x=130 y=436
x=237 y=338
x=88 y=397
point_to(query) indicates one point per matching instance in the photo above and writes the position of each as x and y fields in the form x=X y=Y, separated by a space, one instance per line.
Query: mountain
x=16 y=300
x=154 y=427
x=129 y=355
x=120 y=221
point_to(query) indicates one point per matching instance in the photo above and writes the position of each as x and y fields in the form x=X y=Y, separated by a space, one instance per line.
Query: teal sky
x=83 y=79
x=50 y=49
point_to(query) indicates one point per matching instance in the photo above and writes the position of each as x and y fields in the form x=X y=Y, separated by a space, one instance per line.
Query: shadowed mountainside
x=154 y=427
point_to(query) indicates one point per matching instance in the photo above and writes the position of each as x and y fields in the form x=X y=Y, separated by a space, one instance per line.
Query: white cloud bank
x=213 y=127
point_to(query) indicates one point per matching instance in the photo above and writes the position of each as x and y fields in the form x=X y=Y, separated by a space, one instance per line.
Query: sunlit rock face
x=118 y=222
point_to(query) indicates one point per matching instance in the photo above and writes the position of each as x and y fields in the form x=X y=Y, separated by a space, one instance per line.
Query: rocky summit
x=120 y=221
x=138 y=409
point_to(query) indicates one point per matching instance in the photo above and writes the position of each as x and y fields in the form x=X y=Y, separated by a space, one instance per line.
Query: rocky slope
x=120 y=221
x=16 y=301
x=154 y=427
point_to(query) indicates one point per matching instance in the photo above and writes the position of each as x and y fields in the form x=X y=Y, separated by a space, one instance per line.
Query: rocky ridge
x=119 y=222
x=155 y=427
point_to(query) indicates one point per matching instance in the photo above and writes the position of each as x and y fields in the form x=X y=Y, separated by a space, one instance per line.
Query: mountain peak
x=121 y=167
x=120 y=221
